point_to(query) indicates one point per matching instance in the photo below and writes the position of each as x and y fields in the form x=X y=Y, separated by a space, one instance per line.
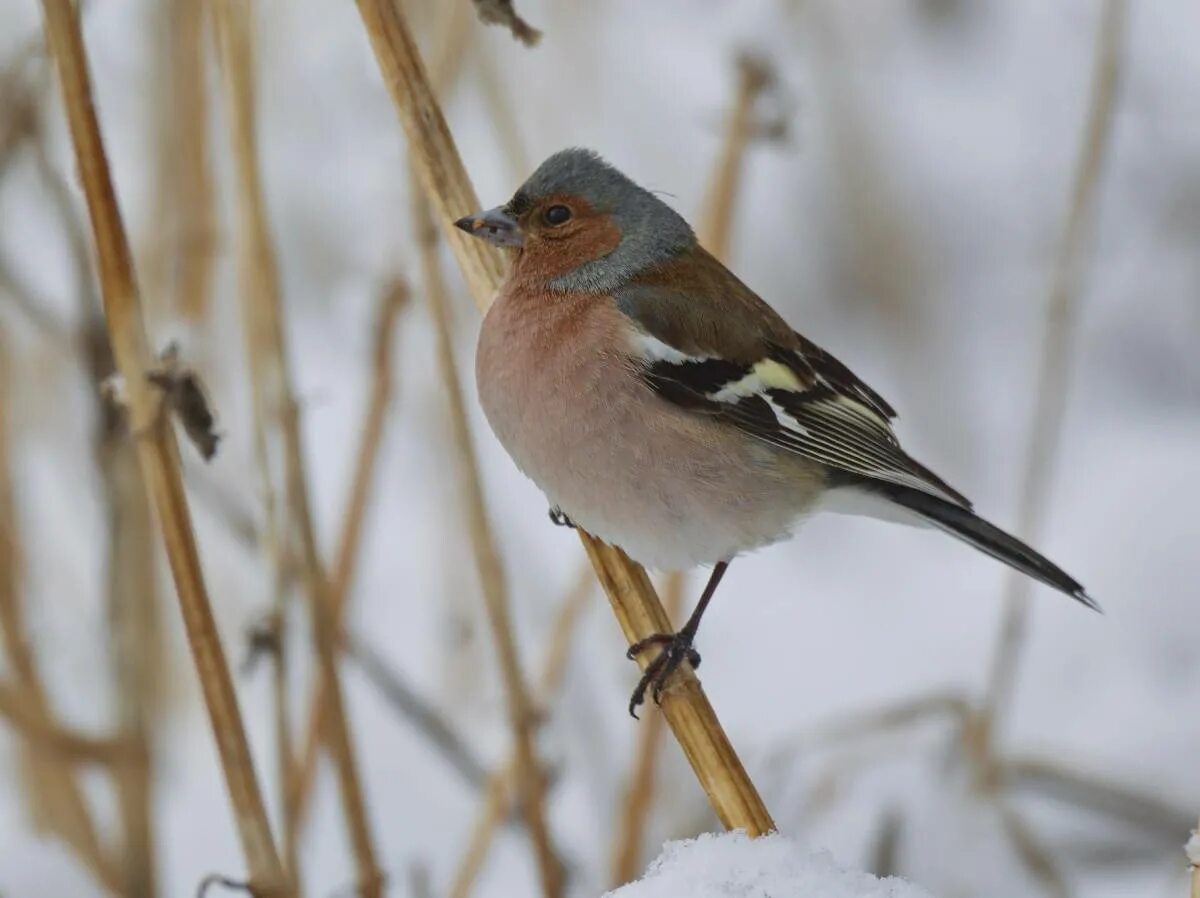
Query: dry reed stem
x=487 y=820
x=630 y=593
x=395 y=297
x=422 y=714
x=135 y=637
x=497 y=101
x=158 y=453
x=255 y=277
x=498 y=791
x=56 y=798
x=639 y=795
x=720 y=205
x=1058 y=344
x=451 y=43
x=24 y=713
x=531 y=782
x=178 y=263
x=1032 y=851
x=233 y=23
x=195 y=216
x=1068 y=783
x=135 y=633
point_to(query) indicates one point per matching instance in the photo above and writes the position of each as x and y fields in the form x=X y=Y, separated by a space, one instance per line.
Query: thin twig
x=630 y=593
x=261 y=288
x=531 y=783
x=1097 y=795
x=720 y=206
x=158 y=454
x=1031 y=850
x=1058 y=343
x=497 y=794
x=394 y=298
x=423 y=715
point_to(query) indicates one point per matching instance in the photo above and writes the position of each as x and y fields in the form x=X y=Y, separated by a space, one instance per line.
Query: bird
x=665 y=408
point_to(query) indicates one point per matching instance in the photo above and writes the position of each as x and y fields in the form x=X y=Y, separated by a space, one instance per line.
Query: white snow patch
x=732 y=865
x=1193 y=848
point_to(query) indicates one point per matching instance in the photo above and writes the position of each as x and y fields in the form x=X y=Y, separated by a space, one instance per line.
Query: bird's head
x=578 y=224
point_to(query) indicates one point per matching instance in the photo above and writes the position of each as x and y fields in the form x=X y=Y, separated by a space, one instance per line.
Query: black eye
x=556 y=215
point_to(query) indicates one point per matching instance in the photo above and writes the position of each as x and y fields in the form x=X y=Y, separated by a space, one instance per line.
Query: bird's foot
x=559 y=519
x=675 y=648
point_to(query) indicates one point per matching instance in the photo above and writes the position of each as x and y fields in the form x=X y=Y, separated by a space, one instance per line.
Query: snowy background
x=908 y=223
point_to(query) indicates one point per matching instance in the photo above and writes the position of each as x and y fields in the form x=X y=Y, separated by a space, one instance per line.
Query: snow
x=732 y=865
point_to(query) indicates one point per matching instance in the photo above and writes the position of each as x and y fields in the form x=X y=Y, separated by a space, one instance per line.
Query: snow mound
x=732 y=865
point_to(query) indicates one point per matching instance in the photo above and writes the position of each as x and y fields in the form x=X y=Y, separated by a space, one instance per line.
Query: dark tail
x=971 y=528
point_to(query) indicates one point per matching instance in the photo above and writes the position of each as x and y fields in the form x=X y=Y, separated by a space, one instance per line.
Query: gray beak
x=495 y=226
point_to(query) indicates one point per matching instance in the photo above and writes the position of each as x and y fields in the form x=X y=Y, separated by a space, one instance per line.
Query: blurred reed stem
x=497 y=794
x=1058 y=350
x=181 y=245
x=421 y=714
x=531 y=781
x=630 y=592
x=135 y=634
x=260 y=289
x=135 y=628
x=394 y=298
x=158 y=454
x=56 y=801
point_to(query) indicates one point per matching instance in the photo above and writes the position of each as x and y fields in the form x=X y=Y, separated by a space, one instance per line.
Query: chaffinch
x=668 y=410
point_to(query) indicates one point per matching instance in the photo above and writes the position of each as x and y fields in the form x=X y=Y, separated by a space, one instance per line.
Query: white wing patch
x=653 y=349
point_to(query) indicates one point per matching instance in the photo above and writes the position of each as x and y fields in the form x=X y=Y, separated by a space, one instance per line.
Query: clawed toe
x=675 y=649
x=559 y=519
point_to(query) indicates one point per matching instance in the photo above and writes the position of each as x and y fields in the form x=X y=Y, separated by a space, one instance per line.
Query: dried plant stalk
x=261 y=289
x=633 y=599
x=134 y=633
x=158 y=454
x=22 y=710
x=420 y=713
x=179 y=263
x=394 y=299
x=52 y=788
x=498 y=791
x=1058 y=343
x=531 y=782
x=195 y=217
x=716 y=221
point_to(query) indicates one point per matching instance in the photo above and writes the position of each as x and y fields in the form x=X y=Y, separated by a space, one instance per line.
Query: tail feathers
x=970 y=528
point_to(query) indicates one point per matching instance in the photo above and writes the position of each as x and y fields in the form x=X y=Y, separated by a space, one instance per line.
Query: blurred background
x=990 y=211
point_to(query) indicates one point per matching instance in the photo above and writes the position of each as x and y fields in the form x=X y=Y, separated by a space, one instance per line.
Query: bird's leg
x=559 y=518
x=676 y=647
